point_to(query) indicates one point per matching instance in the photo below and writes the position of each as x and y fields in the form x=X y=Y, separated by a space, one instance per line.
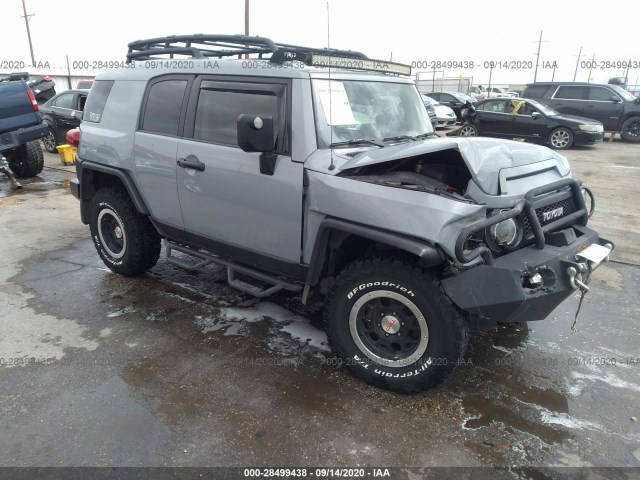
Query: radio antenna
x=331 y=166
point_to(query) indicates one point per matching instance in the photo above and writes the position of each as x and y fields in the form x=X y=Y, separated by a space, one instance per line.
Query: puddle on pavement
x=49 y=179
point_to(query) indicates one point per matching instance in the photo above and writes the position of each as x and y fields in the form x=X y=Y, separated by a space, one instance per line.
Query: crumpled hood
x=485 y=157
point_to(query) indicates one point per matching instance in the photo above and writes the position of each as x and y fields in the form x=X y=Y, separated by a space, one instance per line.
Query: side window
x=496 y=106
x=435 y=96
x=162 y=110
x=82 y=100
x=217 y=112
x=445 y=97
x=572 y=92
x=600 y=94
x=97 y=100
x=64 y=101
x=535 y=91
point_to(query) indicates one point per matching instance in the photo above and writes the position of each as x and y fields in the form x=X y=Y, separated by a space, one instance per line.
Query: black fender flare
x=85 y=171
x=428 y=255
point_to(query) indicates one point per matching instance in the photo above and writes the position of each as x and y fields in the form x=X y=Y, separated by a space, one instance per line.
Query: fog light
x=504 y=233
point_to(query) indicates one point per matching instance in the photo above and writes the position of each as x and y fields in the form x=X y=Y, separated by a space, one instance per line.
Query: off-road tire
x=394 y=284
x=561 y=139
x=630 y=129
x=138 y=248
x=27 y=160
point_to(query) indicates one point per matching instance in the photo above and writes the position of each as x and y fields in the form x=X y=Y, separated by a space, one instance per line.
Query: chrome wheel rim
x=389 y=329
x=49 y=142
x=560 y=139
x=467 y=132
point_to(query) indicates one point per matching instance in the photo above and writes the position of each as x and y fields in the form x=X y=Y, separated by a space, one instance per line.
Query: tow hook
x=575 y=280
x=575 y=277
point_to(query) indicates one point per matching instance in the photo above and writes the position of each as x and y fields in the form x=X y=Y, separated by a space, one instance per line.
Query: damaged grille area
x=546 y=214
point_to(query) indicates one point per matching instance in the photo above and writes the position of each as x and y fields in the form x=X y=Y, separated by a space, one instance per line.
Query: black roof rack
x=202 y=46
x=219 y=46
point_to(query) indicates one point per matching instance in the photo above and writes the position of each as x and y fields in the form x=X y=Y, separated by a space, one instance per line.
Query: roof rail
x=201 y=46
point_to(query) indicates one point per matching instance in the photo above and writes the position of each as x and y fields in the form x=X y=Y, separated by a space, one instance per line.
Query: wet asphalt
x=177 y=369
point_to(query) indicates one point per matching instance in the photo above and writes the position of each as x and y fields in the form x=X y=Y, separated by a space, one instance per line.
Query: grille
x=567 y=206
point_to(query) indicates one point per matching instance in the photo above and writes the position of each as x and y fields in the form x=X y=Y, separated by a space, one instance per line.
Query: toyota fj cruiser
x=317 y=171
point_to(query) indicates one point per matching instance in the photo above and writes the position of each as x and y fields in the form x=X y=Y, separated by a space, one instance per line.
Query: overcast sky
x=411 y=30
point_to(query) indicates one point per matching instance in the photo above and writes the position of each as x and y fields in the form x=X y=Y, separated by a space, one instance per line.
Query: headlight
x=504 y=235
x=591 y=128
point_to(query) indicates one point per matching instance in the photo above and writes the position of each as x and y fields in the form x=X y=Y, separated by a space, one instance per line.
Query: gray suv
x=611 y=105
x=317 y=171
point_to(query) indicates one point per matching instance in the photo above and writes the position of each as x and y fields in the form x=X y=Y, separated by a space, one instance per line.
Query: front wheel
x=392 y=326
x=630 y=130
x=468 y=130
x=126 y=240
x=561 y=139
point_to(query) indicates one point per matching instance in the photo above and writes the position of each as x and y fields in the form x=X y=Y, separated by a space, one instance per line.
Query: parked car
x=477 y=92
x=444 y=115
x=614 y=107
x=453 y=100
x=62 y=113
x=333 y=188
x=530 y=121
x=84 y=85
x=430 y=110
x=496 y=92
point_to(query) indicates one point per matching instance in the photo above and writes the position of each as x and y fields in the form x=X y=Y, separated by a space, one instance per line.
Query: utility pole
x=26 y=22
x=593 y=61
x=577 y=63
x=246 y=21
x=535 y=74
x=553 y=74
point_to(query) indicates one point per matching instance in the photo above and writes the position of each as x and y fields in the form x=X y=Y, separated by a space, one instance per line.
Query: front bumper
x=587 y=138
x=502 y=292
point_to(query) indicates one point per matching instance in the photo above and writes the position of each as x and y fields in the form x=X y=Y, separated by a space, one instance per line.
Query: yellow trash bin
x=67 y=154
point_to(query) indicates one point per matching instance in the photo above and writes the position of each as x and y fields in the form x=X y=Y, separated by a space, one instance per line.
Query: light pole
x=26 y=22
x=577 y=63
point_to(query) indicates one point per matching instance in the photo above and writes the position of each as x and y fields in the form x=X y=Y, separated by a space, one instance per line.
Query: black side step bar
x=276 y=284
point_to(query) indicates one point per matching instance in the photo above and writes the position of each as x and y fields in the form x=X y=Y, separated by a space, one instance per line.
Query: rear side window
x=218 y=110
x=535 y=91
x=96 y=101
x=600 y=94
x=572 y=93
x=163 y=106
x=64 y=101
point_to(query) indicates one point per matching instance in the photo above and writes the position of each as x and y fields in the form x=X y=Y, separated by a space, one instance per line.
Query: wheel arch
x=339 y=242
x=93 y=177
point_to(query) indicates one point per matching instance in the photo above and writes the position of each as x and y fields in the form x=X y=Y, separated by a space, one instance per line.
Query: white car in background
x=496 y=92
x=445 y=116
x=477 y=92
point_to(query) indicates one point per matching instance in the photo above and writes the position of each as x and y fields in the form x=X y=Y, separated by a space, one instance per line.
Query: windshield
x=623 y=93
x=545 y=110
x=462 y=97
x=363 y=110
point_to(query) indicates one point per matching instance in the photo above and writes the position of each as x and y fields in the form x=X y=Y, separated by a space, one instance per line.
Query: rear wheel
x=392 y=326
x=126 y=240
x=27 y=160
x=561 y=139
x=50 y=141
x=468 y=131
x=630 y=130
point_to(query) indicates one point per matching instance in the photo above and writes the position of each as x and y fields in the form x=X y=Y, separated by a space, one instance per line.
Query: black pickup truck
x=21 y=126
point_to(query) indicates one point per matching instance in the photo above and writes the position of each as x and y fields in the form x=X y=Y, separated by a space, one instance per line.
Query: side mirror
x=255 y=133
x=535 y=114
x=614 y=99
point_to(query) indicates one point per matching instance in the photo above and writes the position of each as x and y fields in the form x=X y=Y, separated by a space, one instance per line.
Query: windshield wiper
x=399 y=137
x=425 y=135
x=357 y=141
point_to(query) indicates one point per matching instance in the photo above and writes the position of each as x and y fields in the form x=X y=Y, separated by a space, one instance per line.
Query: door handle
x=191 y=162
